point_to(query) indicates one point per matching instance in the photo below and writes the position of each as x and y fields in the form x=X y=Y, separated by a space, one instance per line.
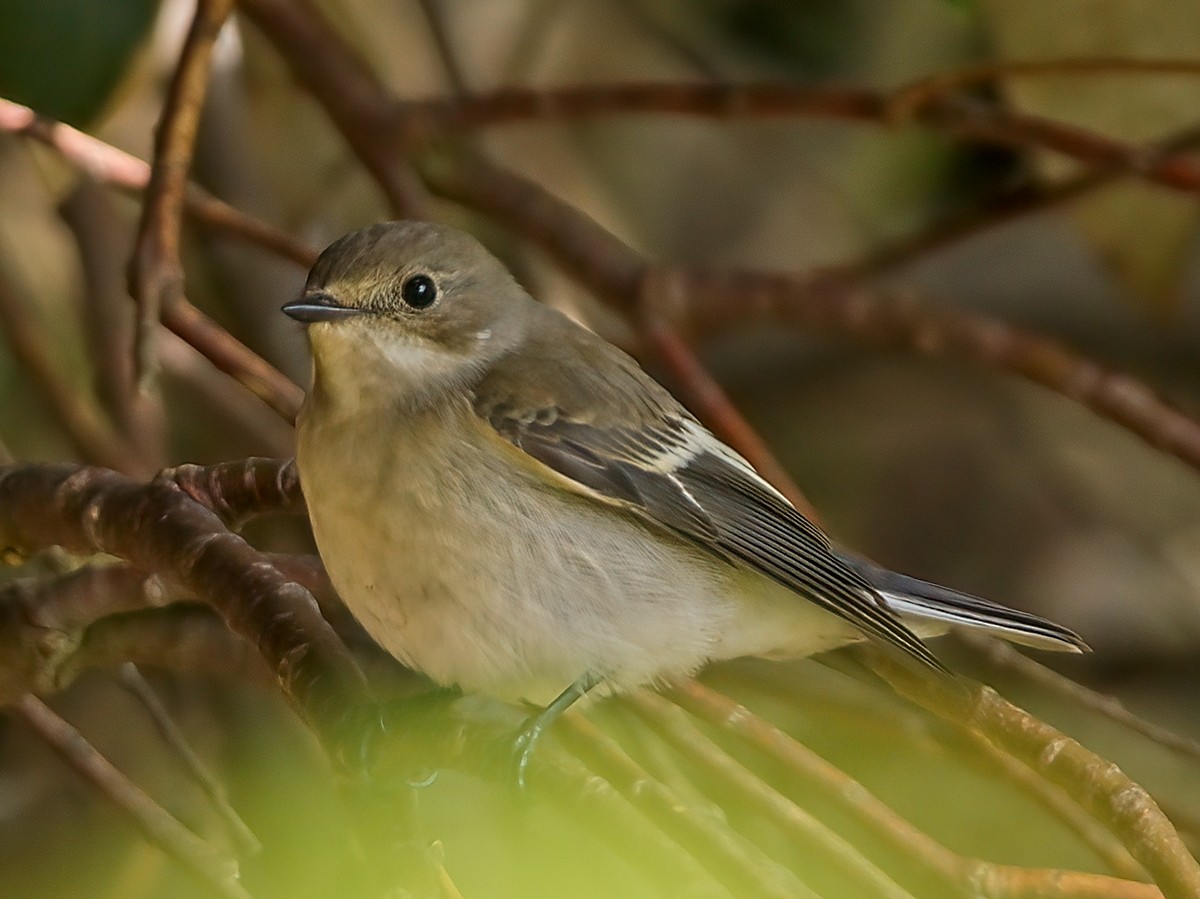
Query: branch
x=158 y=528
x=813 y=842
x=1001 y=654
x=956 y=116
x=113 y=166
x=156 y=274
x=829 y=306
x=109 y=165
x=915 y=859
x=233 y=357
x=730 y=857
x=920 y=93
x=1099 y=786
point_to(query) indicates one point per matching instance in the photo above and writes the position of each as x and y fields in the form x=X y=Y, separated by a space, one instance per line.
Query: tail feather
x=911 y=597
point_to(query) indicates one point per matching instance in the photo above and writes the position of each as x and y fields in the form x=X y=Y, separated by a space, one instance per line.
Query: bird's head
x=407 y=307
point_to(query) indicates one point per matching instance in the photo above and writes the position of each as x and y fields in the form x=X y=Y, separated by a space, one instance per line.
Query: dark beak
x=318 y=307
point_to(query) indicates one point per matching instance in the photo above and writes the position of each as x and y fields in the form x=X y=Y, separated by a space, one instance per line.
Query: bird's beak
x=318 y=307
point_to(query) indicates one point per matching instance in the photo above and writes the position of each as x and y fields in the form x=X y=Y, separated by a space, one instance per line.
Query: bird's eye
x=419 y=291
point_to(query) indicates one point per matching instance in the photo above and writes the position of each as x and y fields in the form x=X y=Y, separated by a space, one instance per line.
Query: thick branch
x=159 y=528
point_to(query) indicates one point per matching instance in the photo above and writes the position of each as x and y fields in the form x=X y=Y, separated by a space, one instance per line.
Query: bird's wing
x=653 y=458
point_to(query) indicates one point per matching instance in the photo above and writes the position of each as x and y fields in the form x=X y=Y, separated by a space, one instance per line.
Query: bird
x=511 y=506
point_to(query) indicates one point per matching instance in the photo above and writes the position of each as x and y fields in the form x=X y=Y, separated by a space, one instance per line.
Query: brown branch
x=218 y=871
x=1052 y=798
x=109 y=165
x=234 y=358
x=158 y=528
x=829 y=306
x=83 y=596
x=242 y=489
x=100 y=616
x=956 y=116
x=920 y=93
x=156 y=273
x=1099 y=786
x=42 y=620
x=184 y=637
x=113 y=166
x=344 y=87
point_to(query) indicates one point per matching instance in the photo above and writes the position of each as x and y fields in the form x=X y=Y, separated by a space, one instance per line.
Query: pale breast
x=463 y=563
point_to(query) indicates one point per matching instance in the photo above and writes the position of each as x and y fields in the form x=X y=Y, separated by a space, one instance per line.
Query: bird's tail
x=914 y=598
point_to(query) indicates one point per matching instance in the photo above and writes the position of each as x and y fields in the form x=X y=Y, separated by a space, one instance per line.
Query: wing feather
x=675 y=474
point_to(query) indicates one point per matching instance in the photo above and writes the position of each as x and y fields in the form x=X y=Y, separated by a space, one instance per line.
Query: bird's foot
x=525 y=742
x=533 y=728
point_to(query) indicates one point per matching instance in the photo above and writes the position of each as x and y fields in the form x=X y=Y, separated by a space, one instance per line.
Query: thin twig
x=812 y=843
x=958 y=117
x=921 y=92
x=730 y=857
x=234 y=358
x=131 y=678
x=156 y=274
x=894 y=319
x=42 y=621
x=1052 y=798
x=217 y=870
x=109 y=165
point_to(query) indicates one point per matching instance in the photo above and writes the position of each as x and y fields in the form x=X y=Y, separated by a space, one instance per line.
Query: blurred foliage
x=65 y=57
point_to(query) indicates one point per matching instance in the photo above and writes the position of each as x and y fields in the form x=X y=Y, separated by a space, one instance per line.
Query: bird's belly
x=500 y=583
x=477 y=573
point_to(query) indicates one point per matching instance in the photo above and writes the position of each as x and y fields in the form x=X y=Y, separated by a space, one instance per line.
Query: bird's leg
x=535 y=725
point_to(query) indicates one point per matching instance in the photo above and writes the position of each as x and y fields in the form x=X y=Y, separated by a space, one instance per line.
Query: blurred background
x=938 y=468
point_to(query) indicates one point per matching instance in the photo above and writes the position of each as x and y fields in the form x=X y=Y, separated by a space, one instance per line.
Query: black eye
x=419 y=291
